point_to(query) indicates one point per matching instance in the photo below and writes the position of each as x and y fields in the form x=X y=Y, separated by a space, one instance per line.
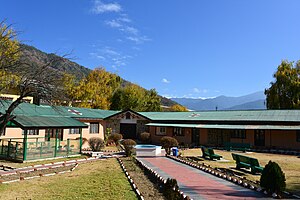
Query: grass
x=102 y=179
x=289 y=164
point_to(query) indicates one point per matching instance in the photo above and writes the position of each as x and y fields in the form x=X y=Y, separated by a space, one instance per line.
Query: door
x=128 y=131
x=259 y=138
x=196 y=137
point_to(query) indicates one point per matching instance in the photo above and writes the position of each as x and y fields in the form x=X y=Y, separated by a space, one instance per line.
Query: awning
x=222 y=126
x=43 y=122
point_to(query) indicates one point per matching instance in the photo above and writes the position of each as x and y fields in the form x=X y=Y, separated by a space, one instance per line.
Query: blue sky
x=182 y=48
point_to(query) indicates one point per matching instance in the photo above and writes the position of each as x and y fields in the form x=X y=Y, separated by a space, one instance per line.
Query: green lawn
x=102 y=179
x=290 y=165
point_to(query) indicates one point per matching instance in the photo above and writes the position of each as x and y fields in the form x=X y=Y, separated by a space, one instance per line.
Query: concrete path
x=196 y=183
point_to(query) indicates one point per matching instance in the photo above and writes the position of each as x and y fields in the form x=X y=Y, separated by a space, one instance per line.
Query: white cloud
x=113 y=23
x=111 y=57
x=164 y=80
x=138 y=39
x=100 y=7
x=196 y=90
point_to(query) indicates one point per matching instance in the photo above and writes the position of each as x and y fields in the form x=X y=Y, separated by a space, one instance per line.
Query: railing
x=38 y=148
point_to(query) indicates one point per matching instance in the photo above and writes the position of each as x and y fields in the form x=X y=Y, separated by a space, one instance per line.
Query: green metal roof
x=257 y=115
x=217 y=126
x=85 y=112
x=26 y=122
x=29 y=109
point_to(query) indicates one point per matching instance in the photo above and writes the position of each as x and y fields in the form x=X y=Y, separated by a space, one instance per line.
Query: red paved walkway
x=201 y=183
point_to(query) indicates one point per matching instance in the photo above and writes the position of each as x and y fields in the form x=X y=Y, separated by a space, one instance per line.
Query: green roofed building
x=39 y=132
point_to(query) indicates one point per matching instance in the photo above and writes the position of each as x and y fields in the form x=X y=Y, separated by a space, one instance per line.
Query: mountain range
x=252 y=101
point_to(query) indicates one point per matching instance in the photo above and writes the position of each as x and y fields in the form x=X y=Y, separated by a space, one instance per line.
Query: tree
x=168 y=142
x=41 y=81
x=135 y=98
x=94 y=91
x=9 y=46
x=272 y=178
x=25 y=78
x=178 y=108
x=284 y=93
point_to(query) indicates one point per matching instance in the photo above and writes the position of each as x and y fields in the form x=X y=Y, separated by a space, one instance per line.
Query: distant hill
x=253 y=105
x=251 y=101
x=35 y=56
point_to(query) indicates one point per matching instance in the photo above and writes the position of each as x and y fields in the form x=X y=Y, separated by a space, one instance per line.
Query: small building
x=39 y=132
x=262 y=129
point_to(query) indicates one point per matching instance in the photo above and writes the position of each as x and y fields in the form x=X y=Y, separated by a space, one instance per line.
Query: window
x=74 y=131
x=128 y=115
x=178 y=132
x=31 y=132
x=298 y=136
x=238 y=134
x=94 y=128
x=161 y=131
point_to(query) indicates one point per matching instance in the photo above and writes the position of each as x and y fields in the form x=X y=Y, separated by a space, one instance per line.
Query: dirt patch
x=148 y=189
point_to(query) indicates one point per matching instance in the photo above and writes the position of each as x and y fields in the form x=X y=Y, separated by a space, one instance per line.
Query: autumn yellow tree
x=178 y=108
x=9 y=46
x=94 y=91
x=135 y=98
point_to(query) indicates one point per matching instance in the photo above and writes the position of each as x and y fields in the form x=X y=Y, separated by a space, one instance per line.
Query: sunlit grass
x=102 y=179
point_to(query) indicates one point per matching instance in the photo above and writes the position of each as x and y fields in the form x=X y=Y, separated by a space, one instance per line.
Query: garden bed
x=148 y=189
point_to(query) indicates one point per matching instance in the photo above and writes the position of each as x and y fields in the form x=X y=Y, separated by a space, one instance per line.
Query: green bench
x=247 y=162
x=237 y=146
x=209 y=152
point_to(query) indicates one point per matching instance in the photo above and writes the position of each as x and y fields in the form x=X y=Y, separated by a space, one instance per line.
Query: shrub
x=273 y=178
x=128 y=146
x=168 y=142
x=116 y=137
x=96 y=144
x=145 y=137
x=169 y=191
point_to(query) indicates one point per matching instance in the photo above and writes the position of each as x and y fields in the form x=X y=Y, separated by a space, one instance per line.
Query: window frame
x=159 y=132
x=93 y=130
x=238 y=134
x=74 y=131
x=178 y=131
x=31 y=132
